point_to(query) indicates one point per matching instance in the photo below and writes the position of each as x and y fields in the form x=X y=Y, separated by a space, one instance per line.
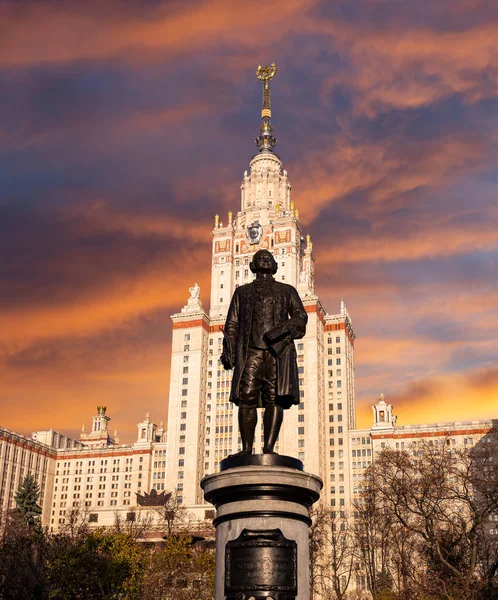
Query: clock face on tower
x=254 y=232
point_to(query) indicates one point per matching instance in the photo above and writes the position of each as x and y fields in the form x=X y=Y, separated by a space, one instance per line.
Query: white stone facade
x=95 y=479
x=364 y=444
x=20 y=456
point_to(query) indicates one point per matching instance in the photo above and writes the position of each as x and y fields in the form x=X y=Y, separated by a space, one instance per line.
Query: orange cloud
x=408 y=66
x=130 y=380
x=454 y=397
x=436 y=239
x=100 y=216
x=380 y=170
x=51 y=33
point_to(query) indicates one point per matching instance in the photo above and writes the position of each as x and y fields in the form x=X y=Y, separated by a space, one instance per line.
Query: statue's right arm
x=230 y=333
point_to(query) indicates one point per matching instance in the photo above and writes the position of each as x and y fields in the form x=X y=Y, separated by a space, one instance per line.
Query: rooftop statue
x=195 y=290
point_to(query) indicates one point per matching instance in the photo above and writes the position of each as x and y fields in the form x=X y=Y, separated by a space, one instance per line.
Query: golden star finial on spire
x=266 y=142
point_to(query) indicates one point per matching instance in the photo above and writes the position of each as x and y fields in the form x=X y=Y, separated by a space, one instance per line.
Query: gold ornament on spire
x=265 y=73
x=266 y=142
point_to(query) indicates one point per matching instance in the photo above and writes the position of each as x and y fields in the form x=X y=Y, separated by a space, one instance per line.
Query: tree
x=180 y=570
x=26 y=498
x=174 y=516
x=99 y=565
x=22 y=560
x=135 y=523
x=436 y=501
x=331 y=553
x=374 y=531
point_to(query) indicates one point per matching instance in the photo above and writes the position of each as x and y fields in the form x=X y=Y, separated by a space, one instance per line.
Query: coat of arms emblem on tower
x=254 y=232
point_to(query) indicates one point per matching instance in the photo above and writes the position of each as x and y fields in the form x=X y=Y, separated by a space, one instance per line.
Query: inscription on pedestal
x=262 y=564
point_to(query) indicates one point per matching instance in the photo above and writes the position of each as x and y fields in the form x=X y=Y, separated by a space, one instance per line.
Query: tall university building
x=104 y=477
x=202 y=423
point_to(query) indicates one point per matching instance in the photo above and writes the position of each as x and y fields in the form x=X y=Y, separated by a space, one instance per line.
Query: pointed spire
x=266 y=142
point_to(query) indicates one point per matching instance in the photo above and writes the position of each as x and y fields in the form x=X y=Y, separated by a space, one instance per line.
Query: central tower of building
x=202 y=425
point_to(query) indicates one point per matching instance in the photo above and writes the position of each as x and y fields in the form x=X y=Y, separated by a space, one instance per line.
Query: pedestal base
x=263 y=510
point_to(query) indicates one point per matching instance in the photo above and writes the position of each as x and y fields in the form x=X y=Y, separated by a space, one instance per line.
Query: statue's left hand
x=277 y=334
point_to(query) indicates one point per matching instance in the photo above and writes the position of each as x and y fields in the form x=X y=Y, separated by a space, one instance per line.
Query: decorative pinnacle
x=266 y=142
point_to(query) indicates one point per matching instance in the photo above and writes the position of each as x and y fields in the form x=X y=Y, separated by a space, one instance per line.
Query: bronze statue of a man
x=264 y=319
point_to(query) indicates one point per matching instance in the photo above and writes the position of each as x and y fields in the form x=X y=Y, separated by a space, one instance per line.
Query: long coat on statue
x=290 y=320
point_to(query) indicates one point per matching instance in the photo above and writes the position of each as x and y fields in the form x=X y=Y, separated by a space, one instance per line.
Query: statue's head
x=263 y=262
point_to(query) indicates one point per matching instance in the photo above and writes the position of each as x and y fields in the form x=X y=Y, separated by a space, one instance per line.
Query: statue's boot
x=272 y=421
x=248 y=417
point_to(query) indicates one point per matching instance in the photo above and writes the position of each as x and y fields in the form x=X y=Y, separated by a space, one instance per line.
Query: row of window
x=339 y=430
x=331 y=418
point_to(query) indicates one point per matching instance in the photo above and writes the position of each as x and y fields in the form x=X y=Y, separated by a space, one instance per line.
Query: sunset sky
x=126 y=126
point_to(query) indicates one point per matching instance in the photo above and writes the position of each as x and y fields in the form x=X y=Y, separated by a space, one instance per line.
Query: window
x=300 y=346
x=186 y=348
x=185 y=381
x=300 y=430
x=338 y=350
x=337 y=340
x=300 y=418
x=186 y=337
x=300 y=370
x=337 y=361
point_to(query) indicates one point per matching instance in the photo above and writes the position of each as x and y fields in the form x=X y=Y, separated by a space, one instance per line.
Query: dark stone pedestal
x=262 y=518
